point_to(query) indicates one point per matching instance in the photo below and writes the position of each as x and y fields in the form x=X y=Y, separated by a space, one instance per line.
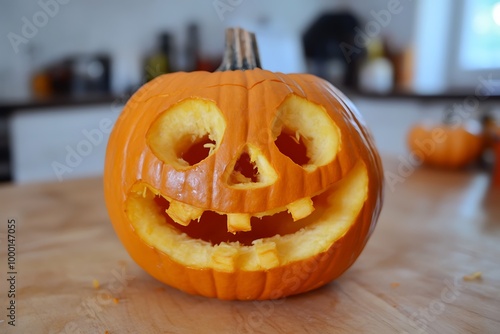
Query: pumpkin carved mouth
x=275 y=237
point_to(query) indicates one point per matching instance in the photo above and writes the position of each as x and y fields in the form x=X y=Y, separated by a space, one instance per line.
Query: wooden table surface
x=436 y=227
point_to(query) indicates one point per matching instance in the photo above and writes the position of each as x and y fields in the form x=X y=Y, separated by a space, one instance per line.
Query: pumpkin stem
x=241 y=51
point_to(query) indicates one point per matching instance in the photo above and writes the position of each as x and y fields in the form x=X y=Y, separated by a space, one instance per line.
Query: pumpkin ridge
x=283 y=78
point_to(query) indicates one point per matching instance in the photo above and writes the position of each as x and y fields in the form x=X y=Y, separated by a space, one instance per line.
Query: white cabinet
x=60 y=143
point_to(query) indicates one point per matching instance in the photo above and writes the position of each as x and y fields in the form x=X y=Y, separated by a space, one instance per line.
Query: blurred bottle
x=41 y=85
x=160 y=61
x=377 y=72
x=194 y=59
x=490 y=133
x=403 y=68
x=489 y=127
x=496 y=170
x=192 y=51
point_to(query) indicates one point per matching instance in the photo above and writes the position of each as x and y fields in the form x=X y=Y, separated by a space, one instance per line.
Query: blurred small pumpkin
x=454 y=143
x=243 y=183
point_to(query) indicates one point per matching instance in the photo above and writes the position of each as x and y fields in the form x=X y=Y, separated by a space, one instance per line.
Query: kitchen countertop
x=9 y=106
x=447 y=96
x=436 y=227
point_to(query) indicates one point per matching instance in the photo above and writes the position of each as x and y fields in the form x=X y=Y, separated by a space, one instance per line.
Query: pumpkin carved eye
x=305 y=133
x=187 y=133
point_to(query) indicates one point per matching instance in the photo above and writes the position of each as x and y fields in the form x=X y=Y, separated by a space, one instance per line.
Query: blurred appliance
x=76 y=76
x=90 y=74
x=331 y=48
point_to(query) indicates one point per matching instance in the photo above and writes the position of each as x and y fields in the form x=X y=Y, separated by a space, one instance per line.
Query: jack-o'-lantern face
x=215 y=180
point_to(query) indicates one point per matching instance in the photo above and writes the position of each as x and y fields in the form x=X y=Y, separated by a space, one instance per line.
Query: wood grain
x=436 y=227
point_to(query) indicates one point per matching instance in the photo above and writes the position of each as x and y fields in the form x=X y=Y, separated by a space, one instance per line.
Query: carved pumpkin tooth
x=183 y=213
x=301 y=208
x=224 y=258
x=267 y=254
x=238 y=222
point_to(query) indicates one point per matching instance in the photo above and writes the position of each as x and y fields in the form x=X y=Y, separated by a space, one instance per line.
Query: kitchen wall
x=127 y=30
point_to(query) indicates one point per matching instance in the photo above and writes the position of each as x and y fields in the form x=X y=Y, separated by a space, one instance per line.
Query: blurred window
x=480 y=36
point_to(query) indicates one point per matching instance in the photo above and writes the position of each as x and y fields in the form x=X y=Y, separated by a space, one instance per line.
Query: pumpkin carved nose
x=250 y=169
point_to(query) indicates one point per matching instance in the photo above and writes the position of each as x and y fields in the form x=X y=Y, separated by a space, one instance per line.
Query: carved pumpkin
x=450 y=144
x=243 y=183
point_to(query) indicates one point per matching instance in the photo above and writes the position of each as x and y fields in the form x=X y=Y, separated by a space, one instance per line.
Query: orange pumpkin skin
x=446 y=146
x=248 y=100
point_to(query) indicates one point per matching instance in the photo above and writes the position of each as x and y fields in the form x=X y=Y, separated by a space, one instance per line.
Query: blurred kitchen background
x=68 y=66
